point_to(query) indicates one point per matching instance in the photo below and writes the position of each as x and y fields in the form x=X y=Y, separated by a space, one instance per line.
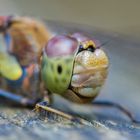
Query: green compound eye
x=56 y=73
x=58 y=59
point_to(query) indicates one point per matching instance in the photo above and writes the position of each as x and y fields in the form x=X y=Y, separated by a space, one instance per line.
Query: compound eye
x=91 y=48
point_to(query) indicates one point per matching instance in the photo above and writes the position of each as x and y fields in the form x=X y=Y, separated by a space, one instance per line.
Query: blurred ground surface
x=122 y=86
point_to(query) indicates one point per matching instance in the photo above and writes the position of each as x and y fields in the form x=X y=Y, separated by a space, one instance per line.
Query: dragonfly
x=35 y=65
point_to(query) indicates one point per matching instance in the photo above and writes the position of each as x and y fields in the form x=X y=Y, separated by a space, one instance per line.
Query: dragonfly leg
x=17 y=98
x=45 y=106
x=115 y=105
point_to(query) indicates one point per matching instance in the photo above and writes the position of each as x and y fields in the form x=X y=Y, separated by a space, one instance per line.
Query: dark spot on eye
x=91 y=48
x=59 y=69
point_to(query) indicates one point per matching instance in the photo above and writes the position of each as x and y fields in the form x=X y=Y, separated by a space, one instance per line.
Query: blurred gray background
x=120 y=16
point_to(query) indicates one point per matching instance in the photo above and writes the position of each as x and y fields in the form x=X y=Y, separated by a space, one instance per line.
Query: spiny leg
x=17 y=98
x=45 y=106
x=121 y=108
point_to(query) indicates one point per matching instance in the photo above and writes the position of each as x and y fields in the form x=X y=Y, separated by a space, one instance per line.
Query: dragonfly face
x=77 y=70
